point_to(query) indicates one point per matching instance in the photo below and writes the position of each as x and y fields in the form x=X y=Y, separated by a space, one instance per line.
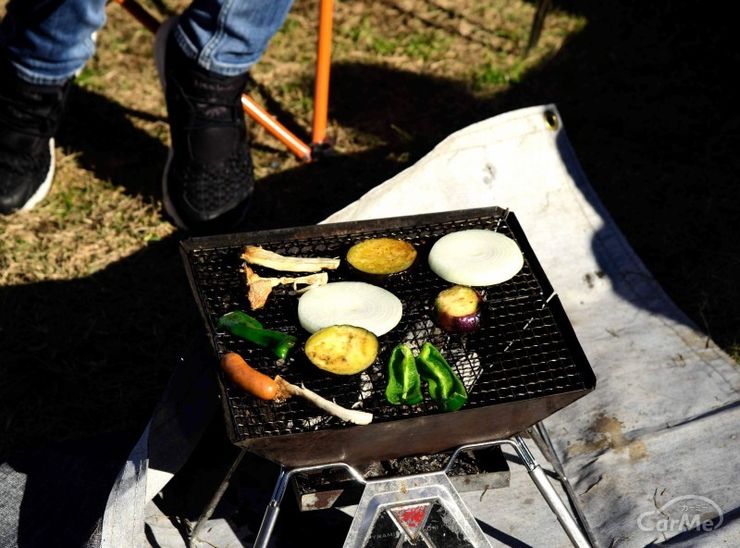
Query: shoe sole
x=43 y=190
x=169 y=207
x=160 y=46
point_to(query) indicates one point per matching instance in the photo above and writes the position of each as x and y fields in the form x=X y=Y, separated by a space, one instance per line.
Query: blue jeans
x=48 y=41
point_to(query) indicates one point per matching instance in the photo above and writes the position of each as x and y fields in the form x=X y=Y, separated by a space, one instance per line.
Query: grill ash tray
x=520 y=366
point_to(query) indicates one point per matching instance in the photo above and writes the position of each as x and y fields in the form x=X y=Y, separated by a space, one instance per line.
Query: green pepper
x=248 y=328
x=445 y=387
x=404 y=383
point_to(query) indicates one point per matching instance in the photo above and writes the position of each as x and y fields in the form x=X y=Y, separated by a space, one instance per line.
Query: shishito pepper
x=445 y=387
x=245 y=326
x=404 y=383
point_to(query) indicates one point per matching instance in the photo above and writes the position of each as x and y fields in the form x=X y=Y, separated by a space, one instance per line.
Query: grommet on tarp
x=551 y=119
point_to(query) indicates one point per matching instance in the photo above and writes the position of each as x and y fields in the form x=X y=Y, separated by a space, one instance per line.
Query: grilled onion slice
x=475 y=257
x=352 y=303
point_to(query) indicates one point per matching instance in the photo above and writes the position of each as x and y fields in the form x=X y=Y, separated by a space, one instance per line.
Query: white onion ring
x=349 y=303
x=475 y=257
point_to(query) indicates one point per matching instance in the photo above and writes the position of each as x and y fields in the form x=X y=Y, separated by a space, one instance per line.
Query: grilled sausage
x=248 y=379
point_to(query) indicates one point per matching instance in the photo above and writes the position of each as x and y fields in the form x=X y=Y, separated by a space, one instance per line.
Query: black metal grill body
x=520 y=366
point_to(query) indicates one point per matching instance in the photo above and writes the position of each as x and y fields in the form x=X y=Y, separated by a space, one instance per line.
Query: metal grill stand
x=522 y=365
x=409 y=502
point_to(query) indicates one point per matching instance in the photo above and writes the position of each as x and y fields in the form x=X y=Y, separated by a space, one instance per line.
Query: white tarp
x=654 y=449
x=664 y=421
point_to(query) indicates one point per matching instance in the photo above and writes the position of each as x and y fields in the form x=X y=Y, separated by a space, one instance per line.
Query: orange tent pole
x=323 y=66
x=250 y=106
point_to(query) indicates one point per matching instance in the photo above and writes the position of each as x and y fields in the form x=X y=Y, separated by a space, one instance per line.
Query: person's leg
x=42 y=44
x=208 y=179
x=47 y=41
x=228 y=36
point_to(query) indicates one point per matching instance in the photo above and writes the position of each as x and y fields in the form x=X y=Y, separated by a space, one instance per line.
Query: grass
x=95 y=308
x=489 y=76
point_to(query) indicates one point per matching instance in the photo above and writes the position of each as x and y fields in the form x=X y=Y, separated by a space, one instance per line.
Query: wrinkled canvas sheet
x=656 y=445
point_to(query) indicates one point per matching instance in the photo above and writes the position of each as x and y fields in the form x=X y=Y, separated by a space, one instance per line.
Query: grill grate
x=524 y=348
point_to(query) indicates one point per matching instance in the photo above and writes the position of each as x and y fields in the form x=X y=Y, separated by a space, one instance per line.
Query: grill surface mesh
x=524 y=348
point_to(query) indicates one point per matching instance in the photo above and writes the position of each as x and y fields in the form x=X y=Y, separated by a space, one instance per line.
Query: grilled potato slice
x=381 y=256
x=342 y=349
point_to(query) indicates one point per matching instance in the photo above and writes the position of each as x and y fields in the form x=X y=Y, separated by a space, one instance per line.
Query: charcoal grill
x=520 y=366
x=523 y=364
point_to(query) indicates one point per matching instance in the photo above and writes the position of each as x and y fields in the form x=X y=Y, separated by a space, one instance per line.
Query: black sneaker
x=208 y=179
x=29 y=118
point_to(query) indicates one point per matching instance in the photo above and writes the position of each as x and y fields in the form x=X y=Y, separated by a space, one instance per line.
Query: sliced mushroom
x=262 y=257
x=286 y=389
x=260 y=288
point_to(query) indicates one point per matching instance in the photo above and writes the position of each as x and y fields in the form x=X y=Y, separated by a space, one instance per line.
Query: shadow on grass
x=643 y=98
x=109 y=145
x=92 y=355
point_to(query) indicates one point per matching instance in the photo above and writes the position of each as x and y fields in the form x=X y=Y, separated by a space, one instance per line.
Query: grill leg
x=273 y=508
x=272 y=511
x=566 y=519
x=539 y=434
x=208 y=511
x=542 y=439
